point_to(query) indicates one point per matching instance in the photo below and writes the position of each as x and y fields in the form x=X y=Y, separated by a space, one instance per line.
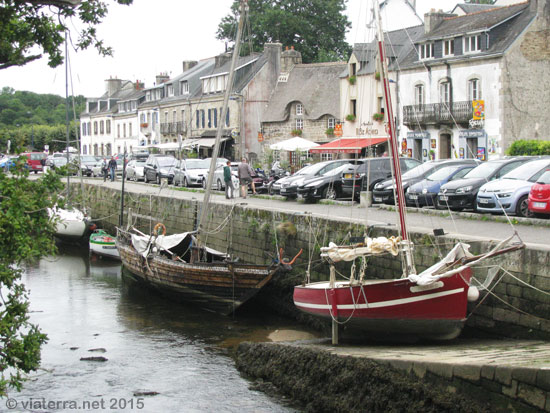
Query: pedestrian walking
x=245 y=173
x=112 y=168
x=105 y=169
x=227 y=178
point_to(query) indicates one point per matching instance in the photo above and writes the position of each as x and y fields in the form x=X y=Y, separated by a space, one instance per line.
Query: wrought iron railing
x=446 y=113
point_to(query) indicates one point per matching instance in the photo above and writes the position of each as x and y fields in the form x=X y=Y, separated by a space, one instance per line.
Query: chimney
x=222 y=59
x=290 y=58
x=188 y=64
x=161 y=78
x=139 y=85
x=433 y=19
x=112 y=86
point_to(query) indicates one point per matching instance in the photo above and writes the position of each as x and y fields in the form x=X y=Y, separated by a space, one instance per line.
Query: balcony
x=145 y=128
x=172 y=127
x=438 y=113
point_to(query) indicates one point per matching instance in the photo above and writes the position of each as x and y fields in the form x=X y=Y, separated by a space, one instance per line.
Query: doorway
x=417 y=150
x=471 y=148
x=445 y=146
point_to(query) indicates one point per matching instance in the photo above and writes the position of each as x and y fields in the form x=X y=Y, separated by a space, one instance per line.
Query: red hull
x=392 y=307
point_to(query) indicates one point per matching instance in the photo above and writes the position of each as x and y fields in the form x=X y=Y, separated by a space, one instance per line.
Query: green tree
x=25 y=235
x=26 y=26
x=316 y=28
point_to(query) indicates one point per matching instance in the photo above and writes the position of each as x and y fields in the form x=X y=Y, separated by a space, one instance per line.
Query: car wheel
x=329 y=193
x=219 y=185
x=145 y=178
x=158 y=179
x=522 y=207
x=203 y=183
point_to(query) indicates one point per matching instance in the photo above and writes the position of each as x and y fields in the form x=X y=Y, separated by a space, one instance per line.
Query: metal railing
x=459 y=112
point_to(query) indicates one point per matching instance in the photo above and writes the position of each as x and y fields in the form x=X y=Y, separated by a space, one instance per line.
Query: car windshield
x=442 y=173
x=37 y=156
x=88 y=158
x=139 y=163
x=527 y=170
x=484 y=170
x=337 y=171
x=418 y=171
x=167 y=161
x=311 y=169
x=197 y=164
x=544 y=178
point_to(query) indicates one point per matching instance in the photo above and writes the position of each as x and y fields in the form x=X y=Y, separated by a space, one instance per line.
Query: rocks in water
x=98 y=350
x=73 y=348
x=94 y=358
x=140 y=393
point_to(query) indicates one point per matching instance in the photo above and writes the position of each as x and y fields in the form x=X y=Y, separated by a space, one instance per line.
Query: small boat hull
x=71 y=225
x=391 y=308
x=218 y=286
x=103 y=245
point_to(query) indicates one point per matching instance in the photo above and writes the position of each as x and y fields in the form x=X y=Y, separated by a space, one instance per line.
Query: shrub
x=529 y=147
x=296 y=132
x=350 y=117
x=378 y=116
x=329 y=132
x=352 y=80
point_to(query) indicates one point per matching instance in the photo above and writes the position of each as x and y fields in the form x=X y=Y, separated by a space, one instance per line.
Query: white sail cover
x=372 y=246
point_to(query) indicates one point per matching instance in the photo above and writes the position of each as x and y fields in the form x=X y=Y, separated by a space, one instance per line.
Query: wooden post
x=334 y=332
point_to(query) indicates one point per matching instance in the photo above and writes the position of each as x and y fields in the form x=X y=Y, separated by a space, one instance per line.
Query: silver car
x=134 y=170
x=191 y=172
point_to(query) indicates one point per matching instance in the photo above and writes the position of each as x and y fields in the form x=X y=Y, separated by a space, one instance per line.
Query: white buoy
x=473 y=294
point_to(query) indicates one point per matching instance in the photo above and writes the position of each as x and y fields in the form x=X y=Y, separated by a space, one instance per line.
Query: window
x=170 y=90
x=419 y=95
x=184 y=87
x=155 y=118
x=331 y=123
x=174 y=116
x=474 y=89
x=101 y=127
x=444 y=92
x=472 y=44
x=426 y=51
x=202 y=118
x=118 y=131
x=166 y=117
x=108 y=126
x=299 y=124
x=209 y=118
x=129 y=129
x=299 y=109
x=353 y=107
x=84 y=129
x=448 y=47
x=353 y=69
x=326 y=157
x=227 y=118
x=85 y=149
x=197 y=119
x=124 y=130
x=215 y=117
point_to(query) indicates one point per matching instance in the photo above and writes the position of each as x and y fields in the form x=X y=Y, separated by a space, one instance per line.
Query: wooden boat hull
x=104 y=245
x=218 y=286
x=391 y=308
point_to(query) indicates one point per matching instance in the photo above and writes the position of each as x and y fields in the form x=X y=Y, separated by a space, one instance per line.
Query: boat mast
x=229 y=87
x=67 y=117
x=408 y=266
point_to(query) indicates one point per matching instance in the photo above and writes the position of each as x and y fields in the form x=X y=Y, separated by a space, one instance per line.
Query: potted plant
x=296 y=132
x=329 y=132
x=378 y=117
x=377 y=75
x=352 y=80
x=350 y=117
x=432 y=154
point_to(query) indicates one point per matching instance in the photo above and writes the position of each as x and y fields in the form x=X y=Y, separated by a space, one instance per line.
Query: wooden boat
x=103 y=245
x=174 y=264
x=430 y=305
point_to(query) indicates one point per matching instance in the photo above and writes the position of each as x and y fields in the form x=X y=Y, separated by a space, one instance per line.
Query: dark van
x=35 y=160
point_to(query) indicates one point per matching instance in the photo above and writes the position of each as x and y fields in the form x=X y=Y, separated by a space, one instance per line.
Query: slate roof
x=127 y=92
x=314 y=85
x=474 y=8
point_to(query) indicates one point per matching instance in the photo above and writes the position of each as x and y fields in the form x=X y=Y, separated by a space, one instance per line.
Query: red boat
x=539 y=196
x=427 y=305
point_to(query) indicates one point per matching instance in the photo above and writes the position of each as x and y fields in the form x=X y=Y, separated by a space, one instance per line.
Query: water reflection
x=90 y=309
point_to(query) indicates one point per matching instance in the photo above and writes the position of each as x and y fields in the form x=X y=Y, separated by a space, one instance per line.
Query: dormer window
x=184 y=88
x=299 y=109
x=448 y=47
x=170 y=90
x=426 y=51
x=472 y=44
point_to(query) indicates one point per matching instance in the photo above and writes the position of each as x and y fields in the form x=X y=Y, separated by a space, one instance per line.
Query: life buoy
x=159 y=226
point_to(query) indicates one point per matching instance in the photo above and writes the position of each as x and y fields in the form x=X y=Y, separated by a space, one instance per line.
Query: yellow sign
x=478 y=107
x=338 y=130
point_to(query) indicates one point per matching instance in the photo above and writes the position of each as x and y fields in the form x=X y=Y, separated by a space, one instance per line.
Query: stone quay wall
x=255 y=234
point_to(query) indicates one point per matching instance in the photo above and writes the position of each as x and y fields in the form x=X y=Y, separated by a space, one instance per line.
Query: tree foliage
x=26 y=26
x=316 y=28
x=25 y=235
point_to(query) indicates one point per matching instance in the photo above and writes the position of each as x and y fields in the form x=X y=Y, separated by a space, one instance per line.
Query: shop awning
x=347 y=145
x=293 y=144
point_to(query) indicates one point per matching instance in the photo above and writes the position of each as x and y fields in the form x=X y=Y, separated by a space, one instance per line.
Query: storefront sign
x=418 y=135
x=471 y=133
x=478 y=107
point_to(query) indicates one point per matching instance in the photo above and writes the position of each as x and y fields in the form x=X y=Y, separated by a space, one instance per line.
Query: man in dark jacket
x=112 y=168
x=228 y=180
x=245 y=177
x=105 y=169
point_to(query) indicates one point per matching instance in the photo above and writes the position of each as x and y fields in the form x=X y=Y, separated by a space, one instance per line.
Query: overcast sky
x=148 y=37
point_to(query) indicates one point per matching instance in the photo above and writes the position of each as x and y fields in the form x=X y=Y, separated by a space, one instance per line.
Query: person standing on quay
x=228 y=181
x=112 y=168
x=245 y=177
x=105 y=169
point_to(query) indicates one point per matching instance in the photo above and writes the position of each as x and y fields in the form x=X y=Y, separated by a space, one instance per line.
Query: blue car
x=7 y=163
x=424 y=193
x=510 y=193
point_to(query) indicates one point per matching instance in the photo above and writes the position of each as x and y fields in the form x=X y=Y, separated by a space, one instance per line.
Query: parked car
x=328 y=185
x=539 y=196
x=459 y=194
x=290 y=184
x=190 y=172
x=158 y=167
x=219 y=182
x=8 y=162
x=510 y=193
x=135 y=170
x=35 y=160
x=372 y=171
x=60 y=166
x=424 y=192
x=383 y=191
x=87 y=163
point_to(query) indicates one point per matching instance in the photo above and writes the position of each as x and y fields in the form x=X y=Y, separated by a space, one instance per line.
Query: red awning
x=347 y=145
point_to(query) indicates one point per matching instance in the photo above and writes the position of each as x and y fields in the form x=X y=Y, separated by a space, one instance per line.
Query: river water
x=160 y=356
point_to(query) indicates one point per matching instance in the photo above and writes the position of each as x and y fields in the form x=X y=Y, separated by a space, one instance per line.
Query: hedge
x=524 y=147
